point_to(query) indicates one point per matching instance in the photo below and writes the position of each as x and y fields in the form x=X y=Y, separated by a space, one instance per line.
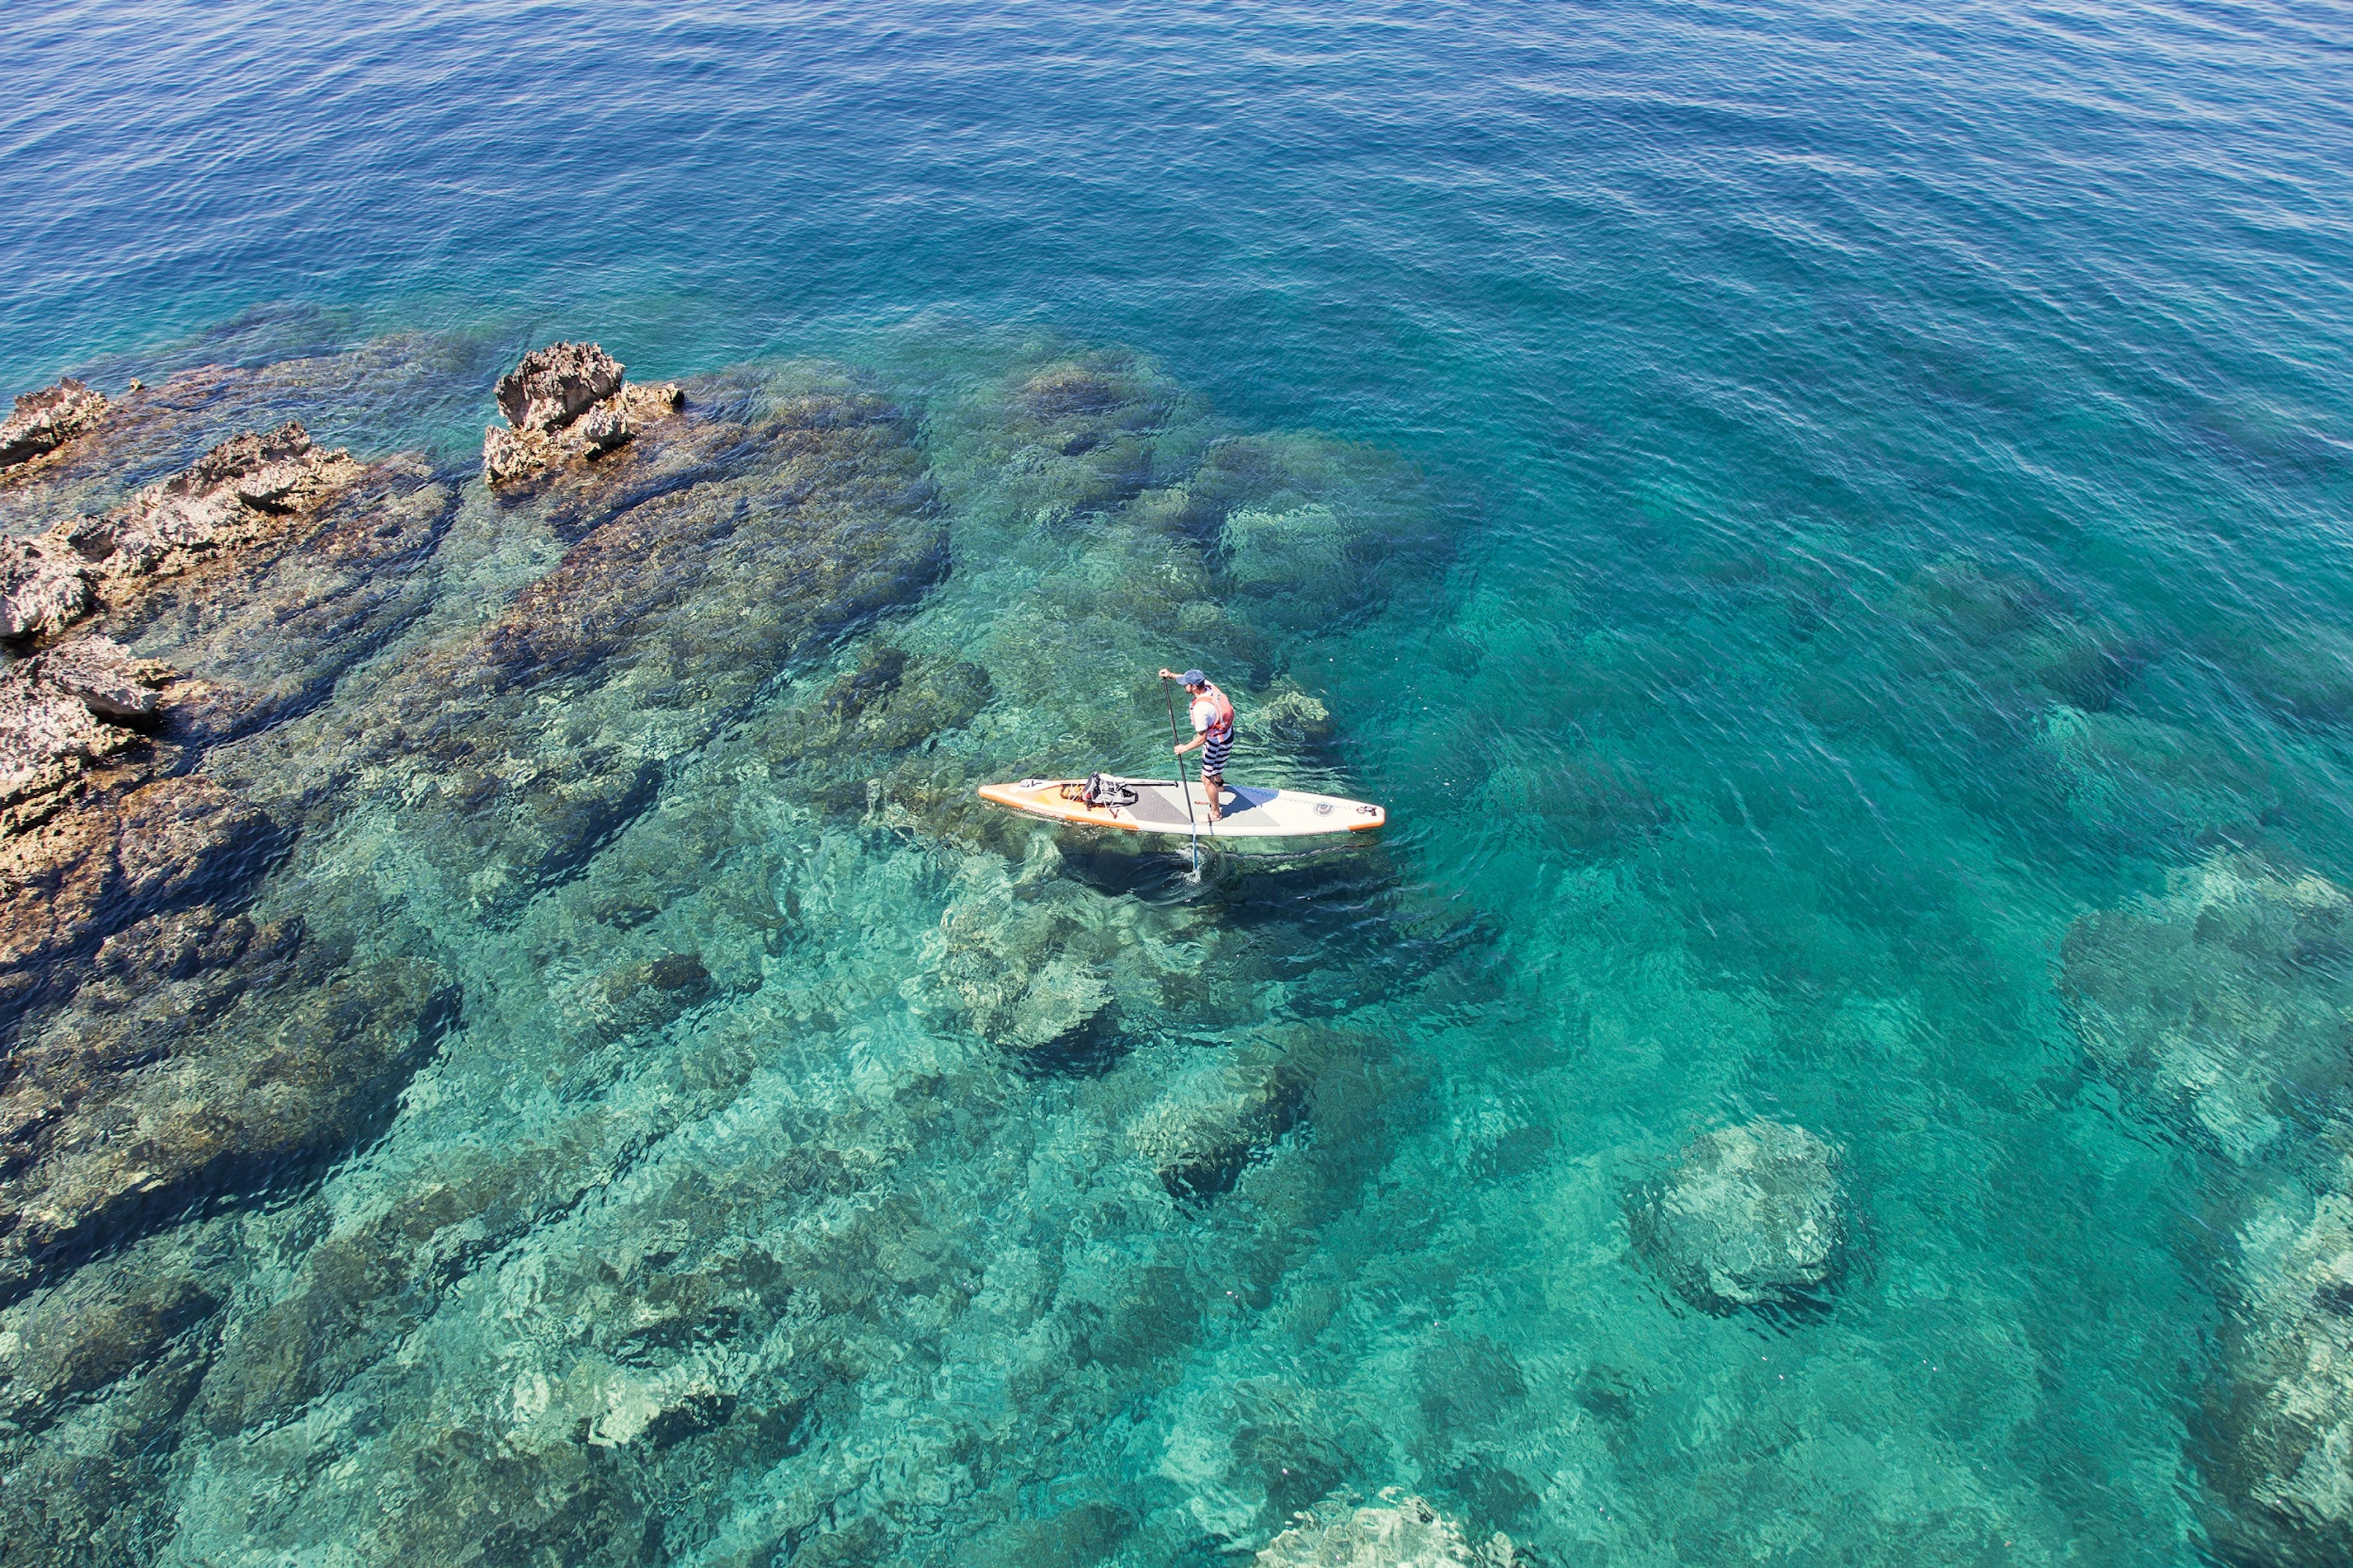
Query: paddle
x=1175 y=739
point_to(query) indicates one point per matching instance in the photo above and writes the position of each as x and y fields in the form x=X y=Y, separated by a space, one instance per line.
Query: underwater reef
x=513 y=1012
x=2218 y=1007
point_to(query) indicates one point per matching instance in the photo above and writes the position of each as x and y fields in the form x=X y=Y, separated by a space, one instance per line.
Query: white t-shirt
x=1204 y=713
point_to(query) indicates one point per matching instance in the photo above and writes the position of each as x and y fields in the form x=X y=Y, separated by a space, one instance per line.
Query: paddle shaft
x=1193 y=829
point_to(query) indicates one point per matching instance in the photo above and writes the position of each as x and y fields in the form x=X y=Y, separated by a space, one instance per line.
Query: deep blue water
x=1851 y=490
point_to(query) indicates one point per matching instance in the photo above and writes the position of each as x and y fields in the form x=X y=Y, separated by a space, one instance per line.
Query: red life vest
x=1221 y=712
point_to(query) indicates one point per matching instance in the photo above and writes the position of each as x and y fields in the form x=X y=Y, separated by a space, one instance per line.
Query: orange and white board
x=1250 y=812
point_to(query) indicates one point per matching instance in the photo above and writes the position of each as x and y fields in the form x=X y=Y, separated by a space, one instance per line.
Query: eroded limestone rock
x=242 y=490
x=556 y=385
x=563 y=403
x=60 y=715
x=1751 y=1215
x=45 y=420
x=546 y=730
x=151 y=432
x=78 y=878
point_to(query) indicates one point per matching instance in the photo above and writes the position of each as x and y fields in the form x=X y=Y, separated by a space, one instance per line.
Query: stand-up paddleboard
x=1150 y=806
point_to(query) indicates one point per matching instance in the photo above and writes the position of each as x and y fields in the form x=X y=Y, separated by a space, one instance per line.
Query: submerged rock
x=647 y=996
x=45 y=420
x=91 y=1490
x=1292 y=713
x=106 y=1142
x=1026 y=961
x=861 y=746
x=1394 y=1531
x=364 y=1286
x=1277 y=552
x=1201 y=1138
x=1079 y=434
x=2224 y=1005
x=2279 y=1418
x=563 y=403
x=544 y=731
x=98 y=1328
x=1751 y=1216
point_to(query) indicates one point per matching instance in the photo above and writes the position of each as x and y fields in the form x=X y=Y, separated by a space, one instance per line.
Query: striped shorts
x=1214 y=750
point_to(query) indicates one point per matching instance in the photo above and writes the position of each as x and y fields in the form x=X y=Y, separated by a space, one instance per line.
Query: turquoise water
x=1791 y=510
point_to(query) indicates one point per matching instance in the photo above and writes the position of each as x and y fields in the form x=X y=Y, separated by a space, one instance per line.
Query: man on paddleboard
x=1213 y=731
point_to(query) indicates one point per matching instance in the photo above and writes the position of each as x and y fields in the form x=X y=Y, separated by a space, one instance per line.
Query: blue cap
x=1192 y=677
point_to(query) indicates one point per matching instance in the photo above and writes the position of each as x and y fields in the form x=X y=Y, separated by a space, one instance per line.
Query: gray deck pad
x=1160 y=808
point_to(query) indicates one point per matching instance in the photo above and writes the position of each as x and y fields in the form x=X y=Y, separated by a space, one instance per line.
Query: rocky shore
x=405 y=870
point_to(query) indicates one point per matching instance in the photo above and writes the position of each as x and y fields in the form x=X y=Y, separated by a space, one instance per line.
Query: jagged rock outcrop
x=566 y=401
x=1751 y=1215
x=556 y=385
x=268 y=630
x=95 y=835
x=61 y=715
x=121 y=856
x=45 y=420
x=2224 y=1005
x=155 y=430
x=264 y=570
x=265 y=558
x=242 y=490
x=167 y=1050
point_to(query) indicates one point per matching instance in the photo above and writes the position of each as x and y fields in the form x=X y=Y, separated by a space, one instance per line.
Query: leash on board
x=1192 y=829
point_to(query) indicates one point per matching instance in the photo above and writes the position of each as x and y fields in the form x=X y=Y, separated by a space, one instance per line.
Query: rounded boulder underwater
x=1753 y=1215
